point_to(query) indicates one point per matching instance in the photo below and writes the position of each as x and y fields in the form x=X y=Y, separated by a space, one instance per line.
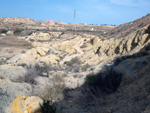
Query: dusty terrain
x=11 y=46
x=95 y=69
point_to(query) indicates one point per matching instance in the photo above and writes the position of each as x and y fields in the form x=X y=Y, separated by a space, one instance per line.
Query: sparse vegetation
x=33 y=72
x=30 y=76
x=54 y=90
x=74 y=65
x=74 y=61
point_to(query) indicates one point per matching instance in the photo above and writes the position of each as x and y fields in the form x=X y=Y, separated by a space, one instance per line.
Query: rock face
x=100 y=50
x=9 y=91
x=24 y=104
x=122 y=46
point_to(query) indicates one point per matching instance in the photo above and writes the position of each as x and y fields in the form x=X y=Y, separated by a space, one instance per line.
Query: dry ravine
x=45 y=67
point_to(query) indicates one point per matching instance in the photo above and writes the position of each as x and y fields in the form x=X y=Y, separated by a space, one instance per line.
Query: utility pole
x=74 y=21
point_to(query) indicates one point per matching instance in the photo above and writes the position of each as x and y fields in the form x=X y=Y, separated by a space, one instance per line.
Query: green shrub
x=18 y=31
x=47 y=107
x=147 y=48
x=105 y=82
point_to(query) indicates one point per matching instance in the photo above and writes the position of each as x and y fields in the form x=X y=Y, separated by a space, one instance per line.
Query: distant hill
x=125 y=29
x=30 y=24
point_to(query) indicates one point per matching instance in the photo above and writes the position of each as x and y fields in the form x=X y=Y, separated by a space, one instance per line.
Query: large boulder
x=33 y=52
x=39 y=36
x=38 y=52
x=9 y=91
x=22 y=59
x=67 y=47
x=43 y=36
x=36 y=44
x=12 y=72
x=49 y=59
x=41 y=52
x=10 y=33
x=3 y=34
x=24 y=104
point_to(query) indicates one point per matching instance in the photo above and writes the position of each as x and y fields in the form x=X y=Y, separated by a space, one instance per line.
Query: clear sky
x=113 y=12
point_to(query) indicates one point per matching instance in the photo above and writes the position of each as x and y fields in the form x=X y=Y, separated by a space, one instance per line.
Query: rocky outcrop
x=103 y=51
x=130 y=43
x=9 y=91
x=24 y=104
x=39 y=37
x=127 y=28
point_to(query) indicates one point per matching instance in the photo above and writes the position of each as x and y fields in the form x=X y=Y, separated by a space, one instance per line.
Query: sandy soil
x=10 y=46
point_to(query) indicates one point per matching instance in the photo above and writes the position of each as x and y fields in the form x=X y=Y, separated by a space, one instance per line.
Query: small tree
x=3 y=31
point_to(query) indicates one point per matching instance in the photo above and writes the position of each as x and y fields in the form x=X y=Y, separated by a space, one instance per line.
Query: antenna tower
x=74 y=24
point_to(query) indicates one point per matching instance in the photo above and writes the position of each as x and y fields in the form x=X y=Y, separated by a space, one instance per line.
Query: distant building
x=15 y=27
x=50 y=22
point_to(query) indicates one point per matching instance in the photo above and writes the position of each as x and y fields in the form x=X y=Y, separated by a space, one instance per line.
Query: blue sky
x=113 y=12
